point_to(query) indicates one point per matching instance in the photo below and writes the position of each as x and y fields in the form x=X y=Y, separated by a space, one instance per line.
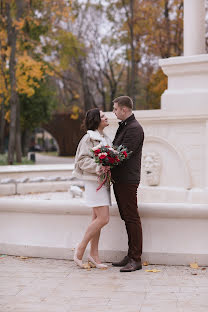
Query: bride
x=87 y=169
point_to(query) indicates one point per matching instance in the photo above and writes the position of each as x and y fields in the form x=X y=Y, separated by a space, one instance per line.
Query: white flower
x=96 y=147
x=100 y=154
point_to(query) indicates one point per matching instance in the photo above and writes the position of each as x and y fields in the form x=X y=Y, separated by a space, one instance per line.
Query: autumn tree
x=22 y=25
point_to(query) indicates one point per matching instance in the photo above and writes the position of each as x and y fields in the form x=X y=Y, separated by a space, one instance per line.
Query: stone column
x=194 y=27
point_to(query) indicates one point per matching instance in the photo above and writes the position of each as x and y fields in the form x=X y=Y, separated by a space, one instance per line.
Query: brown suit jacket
x=131 y=135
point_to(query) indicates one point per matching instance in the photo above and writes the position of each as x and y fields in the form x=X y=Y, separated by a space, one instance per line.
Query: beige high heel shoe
x=76 y=260
x=94 y=264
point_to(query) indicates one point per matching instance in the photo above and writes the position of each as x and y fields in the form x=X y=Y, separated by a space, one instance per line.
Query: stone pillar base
x=187 y=84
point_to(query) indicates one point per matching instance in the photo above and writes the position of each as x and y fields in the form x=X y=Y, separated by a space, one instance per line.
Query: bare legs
x=94 y=242
x=100 y=218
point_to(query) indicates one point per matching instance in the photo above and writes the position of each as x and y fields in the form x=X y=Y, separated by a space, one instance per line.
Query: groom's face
x=118 y=111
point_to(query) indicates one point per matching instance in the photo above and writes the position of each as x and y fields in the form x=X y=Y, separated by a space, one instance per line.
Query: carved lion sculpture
x=152 y=167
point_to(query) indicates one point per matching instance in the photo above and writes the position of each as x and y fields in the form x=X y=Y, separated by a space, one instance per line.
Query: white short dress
x=95 y=198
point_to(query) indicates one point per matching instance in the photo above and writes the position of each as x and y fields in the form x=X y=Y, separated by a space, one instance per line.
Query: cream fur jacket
x=85 y=167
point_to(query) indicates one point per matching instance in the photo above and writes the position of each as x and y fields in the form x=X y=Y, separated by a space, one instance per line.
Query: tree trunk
x=14 y=142
x=18 y=134
x=25 y=140
x=167 y=28
x=2 y=96
x=133 y=63
x=2 y=127
x=128 y=75
x=89 y=101
x=12 y=38
x=131 y=88
x=103 y=101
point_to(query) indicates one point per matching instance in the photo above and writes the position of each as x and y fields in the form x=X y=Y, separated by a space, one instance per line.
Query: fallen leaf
x=153 y=270
x=194 y=265
x=203 y=269
x=103 y=268
x=145 y=263
x=86 y=266
x=193 y=273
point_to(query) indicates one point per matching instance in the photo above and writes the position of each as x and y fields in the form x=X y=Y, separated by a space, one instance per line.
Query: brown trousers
x=126 y=197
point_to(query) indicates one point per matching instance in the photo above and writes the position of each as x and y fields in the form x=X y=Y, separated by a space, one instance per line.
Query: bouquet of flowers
x=108 y=157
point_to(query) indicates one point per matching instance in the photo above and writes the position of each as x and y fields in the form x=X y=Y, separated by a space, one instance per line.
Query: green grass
x=25 y=161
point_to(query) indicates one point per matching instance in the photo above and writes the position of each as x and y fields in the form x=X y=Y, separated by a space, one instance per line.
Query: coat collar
x=95 y=135
x=126 y=121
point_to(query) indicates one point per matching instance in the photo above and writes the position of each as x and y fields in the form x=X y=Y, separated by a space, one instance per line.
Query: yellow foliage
x=7 y=116
x=29 y=72
x=3 y=36
x=75 y=112
x=155 y=87
x=19 y=24
x=76 y=96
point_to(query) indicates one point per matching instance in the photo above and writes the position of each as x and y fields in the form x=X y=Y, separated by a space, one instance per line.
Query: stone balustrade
x=36 y=179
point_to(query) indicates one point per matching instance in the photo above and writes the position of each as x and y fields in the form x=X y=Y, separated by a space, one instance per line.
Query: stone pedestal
x=187 y=84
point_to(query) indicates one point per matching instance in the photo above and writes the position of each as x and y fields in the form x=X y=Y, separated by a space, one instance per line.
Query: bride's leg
x=94 y=242
x=101 y=215
x=94 y=246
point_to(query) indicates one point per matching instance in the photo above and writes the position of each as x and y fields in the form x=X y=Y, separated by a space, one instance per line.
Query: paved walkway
x=47 y=285
x=42 y=159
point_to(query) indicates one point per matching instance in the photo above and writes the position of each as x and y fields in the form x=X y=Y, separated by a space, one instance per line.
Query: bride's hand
x=104 y=168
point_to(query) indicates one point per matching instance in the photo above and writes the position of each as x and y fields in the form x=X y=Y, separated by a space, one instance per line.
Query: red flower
x=97 y=151
x=102 y=157
x=125 y=153
x=111 y=160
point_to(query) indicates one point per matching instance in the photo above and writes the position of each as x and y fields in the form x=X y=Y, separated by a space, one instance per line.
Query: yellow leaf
x=194 y=265
x=86 y=266
x=153 y=270
x=103 y=268
x=145 y=263
x=74 y=116
x=7 y=116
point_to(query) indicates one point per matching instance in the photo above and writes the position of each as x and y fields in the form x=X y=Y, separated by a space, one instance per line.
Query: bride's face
x=104 y=120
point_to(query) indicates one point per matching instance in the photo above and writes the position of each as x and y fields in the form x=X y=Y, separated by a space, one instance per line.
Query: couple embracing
x=125 y=177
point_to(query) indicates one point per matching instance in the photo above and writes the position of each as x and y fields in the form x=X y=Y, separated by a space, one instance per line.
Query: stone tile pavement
x=48 y=285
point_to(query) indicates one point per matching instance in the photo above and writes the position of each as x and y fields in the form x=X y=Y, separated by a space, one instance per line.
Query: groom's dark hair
x=92 y=119
x=124 y=100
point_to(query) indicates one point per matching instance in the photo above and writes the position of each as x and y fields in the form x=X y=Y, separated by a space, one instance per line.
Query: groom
x=127 y=177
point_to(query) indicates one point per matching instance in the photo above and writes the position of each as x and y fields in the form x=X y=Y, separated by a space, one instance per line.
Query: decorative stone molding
x=152 y=167
x=175 y=172
x=38 y=179
x=8 y=181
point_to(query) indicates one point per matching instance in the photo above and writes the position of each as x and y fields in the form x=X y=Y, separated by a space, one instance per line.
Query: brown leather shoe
x=131 y=266
x=122 y=262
